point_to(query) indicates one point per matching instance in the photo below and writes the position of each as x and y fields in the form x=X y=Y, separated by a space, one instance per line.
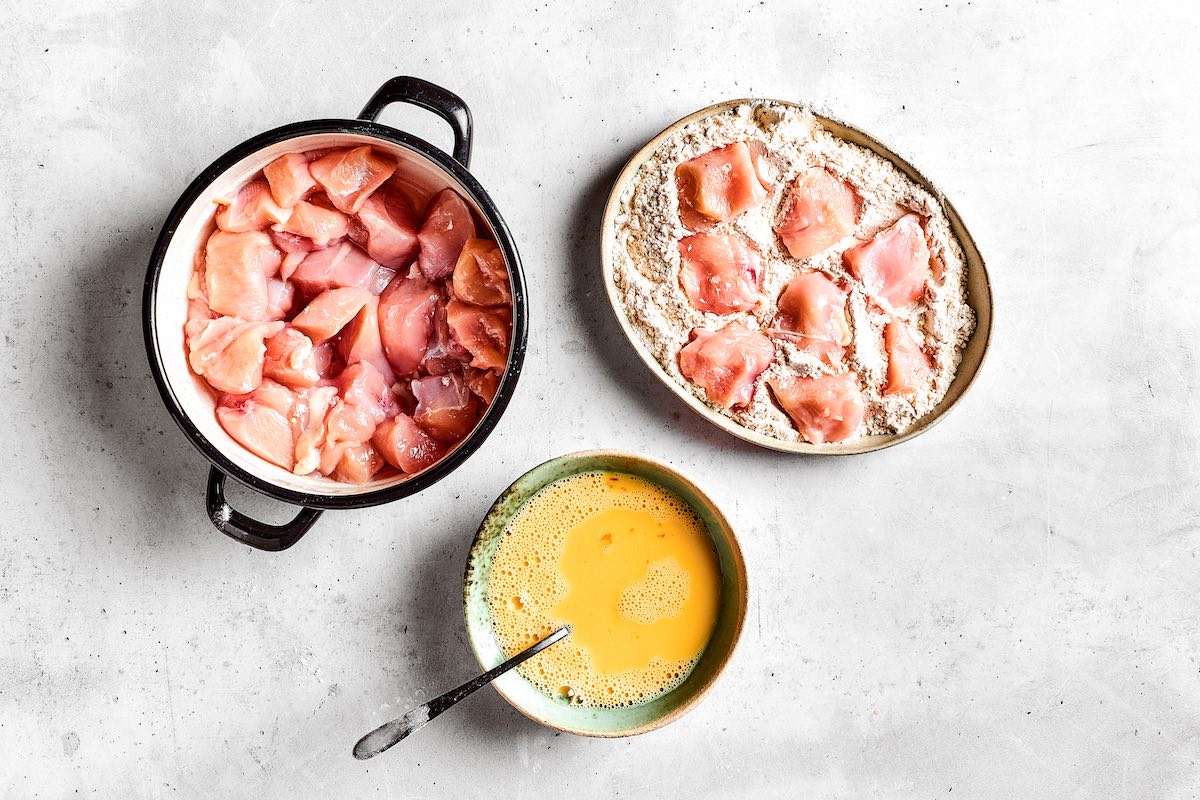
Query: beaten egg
x=628 y=565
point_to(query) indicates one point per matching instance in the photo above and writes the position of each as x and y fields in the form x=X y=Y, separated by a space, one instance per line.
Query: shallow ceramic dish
x=979 y=292
x=164 y=307
x=605 y=722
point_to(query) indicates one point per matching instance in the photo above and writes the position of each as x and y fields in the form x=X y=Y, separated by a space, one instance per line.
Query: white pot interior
x=419 y=176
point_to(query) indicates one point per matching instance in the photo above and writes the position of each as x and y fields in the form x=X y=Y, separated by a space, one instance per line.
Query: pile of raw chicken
x=720 y=272
x=344 y=333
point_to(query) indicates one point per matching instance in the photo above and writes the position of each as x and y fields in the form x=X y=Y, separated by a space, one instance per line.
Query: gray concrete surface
x=1003 y=608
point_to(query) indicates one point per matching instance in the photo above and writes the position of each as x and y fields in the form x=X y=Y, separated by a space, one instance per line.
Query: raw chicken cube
x=327 y=360
x=908 y=366
x=275 y=395
x=417 y=187
x=291 y=262
x=406 y=310
x=318 y=224
x=229 y=352
x=291 y=359
x=341 y=265
x=405 y=445
x=329 y=312
x=448 y=226
x=484 y=332
x=812 y=311
x=312 y=409
x=258 y=425
x=718 y=186
x=382 y=277
x=480 y=277
x=444 y=353
x=291 y=244
x=483 y=382
x=719 y=272
x=445 y=406
x=280 y=297
x=821 y=210
x=387 y=229
x=364 y=387
x=894 y=265
x=828 y=408
x=236 y=268
x=358 y=464
x=349 y=176
x=249 y=209
x=360 y=341
x=726 y=363
x=365 y=402
x=289 y=179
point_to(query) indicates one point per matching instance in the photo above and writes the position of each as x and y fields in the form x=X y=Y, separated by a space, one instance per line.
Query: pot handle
x=443 y=102
x=249 y=531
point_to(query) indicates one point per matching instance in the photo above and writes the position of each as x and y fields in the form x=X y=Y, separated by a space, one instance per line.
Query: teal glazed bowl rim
x=605 y=722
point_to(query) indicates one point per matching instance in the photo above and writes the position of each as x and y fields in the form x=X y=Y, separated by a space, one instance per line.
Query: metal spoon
x=389 y=733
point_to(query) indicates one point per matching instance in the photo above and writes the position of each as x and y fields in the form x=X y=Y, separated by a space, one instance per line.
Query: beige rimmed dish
x=978 y=290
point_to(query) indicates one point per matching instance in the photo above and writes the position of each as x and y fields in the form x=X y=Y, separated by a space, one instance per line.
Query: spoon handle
x=389 y=733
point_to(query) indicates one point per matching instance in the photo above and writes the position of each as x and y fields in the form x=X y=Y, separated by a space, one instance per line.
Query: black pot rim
x=504 y=239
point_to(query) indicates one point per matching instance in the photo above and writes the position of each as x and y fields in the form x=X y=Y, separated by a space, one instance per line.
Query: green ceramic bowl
x=557 y=713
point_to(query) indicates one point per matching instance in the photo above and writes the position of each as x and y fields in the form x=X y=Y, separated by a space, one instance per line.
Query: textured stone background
x=1003 y=608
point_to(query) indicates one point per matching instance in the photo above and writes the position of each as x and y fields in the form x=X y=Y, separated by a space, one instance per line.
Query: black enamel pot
x=425 y=170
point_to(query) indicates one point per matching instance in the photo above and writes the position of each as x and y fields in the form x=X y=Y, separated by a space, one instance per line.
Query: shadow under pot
x=189 y=399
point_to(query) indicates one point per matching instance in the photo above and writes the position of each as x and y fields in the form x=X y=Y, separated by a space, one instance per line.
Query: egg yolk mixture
x=628 y=565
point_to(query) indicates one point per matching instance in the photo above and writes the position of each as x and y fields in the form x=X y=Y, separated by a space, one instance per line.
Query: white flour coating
x=647 y=263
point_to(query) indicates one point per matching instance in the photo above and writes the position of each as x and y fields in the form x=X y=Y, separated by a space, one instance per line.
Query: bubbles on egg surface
x=660 y=595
